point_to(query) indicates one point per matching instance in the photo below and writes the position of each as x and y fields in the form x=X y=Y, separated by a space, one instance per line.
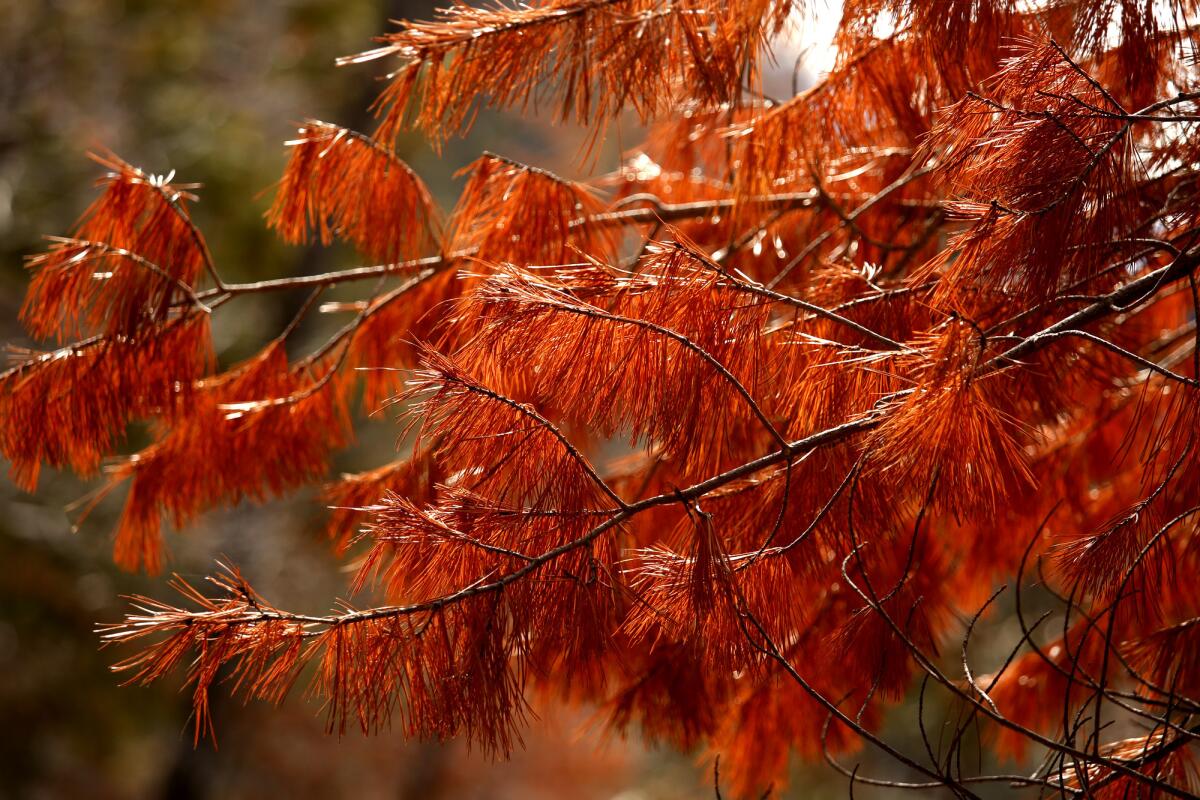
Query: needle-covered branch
x=734 y=443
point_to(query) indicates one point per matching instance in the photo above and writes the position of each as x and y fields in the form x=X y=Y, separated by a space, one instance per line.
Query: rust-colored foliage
x=341 y=182
x=230 y=446
x=739 y=445
x=520 y=214
x=133 y=255
x=589 y=57
x=49 y=417
x=352 y=498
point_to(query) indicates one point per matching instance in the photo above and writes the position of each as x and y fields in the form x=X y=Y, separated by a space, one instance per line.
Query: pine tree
x=738 y=445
